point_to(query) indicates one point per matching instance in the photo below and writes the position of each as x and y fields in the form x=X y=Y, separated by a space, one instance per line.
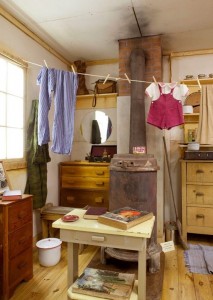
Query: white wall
x=19 y=44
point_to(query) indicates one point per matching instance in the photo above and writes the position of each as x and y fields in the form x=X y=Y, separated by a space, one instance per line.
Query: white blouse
x=179 y=93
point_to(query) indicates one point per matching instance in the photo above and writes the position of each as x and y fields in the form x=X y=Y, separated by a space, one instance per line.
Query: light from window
x=11 y=110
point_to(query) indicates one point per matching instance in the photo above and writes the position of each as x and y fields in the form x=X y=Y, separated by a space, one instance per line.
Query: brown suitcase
x=196 y=155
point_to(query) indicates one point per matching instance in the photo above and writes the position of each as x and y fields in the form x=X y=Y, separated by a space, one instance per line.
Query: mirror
x=96 y=127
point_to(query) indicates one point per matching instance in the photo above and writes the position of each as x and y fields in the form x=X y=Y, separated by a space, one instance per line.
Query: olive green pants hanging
x=37 y=159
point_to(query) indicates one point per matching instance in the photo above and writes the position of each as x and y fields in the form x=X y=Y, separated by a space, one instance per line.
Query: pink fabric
x=165 y=112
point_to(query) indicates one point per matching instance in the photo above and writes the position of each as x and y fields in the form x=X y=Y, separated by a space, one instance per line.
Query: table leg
x=72 y=258
x=142 y=272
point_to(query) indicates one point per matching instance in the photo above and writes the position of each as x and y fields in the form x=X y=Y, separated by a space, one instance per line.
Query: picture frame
x=3 y=179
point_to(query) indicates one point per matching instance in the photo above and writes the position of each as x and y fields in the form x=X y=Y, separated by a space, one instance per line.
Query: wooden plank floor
x=179 y=283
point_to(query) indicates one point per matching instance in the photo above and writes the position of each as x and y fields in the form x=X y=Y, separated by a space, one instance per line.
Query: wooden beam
x=191 y=53
x=31 y=34
x=14 y=58
x=102 y=62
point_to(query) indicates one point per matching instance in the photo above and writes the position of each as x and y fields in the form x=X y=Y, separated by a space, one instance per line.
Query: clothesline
x=108 y=75
x=96 y=75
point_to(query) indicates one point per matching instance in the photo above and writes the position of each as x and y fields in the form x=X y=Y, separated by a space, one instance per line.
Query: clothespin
x=106 y=78
x=198 y=81
x=73 y=69
x=127 y=77
x=45 y=63
x=154 y=79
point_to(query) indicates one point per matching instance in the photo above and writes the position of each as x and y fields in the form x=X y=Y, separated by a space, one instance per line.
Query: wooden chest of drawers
x=197 y=197
x=84 y=183
x=16 y=245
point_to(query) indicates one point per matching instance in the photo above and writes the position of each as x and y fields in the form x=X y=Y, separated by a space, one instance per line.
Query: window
x=11 y=109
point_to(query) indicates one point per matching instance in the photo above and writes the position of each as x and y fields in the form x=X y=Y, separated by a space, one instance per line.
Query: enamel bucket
x=49 y=251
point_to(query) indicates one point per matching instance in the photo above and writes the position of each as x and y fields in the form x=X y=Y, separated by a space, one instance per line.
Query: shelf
x=185 y=145
x=195 y=82
x=102 y=101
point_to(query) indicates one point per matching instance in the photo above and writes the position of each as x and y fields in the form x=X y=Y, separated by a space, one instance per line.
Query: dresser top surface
x=82 y=163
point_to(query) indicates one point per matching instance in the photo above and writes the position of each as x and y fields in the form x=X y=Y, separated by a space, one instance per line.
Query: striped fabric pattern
x=64 y=85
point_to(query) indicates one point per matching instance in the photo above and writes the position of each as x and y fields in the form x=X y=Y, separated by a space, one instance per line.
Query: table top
x=93 y=226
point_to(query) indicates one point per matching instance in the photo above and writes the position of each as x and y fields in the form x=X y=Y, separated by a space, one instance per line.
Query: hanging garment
x=205 y=126
x=96 y=134
x=64 y=85
x=45 y=80
x=166 y=109
x=37 y=159
x=65 y=88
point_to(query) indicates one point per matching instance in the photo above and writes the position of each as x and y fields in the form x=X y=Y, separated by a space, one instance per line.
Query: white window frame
x=17 y=62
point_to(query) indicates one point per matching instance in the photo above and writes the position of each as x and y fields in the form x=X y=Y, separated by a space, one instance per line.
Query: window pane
x=2 y=144
x=14 y=112
x=15 y=80
x=2 y=109
x=14 y=143
x=3 y=75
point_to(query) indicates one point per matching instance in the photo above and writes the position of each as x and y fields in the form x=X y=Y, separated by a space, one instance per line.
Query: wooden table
x=91 y=232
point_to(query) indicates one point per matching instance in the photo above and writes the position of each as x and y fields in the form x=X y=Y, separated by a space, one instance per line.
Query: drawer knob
x=21 y=215
x=22 y=265
x=200 y=216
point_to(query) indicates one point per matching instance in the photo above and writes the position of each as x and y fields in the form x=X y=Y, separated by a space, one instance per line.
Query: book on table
x=12 y=195
x=104 y=284
x=125 y=217
x=93 y=212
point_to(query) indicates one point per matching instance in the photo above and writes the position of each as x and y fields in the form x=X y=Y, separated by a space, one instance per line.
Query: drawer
x=199 y=194
x=200 y=172
x=19 y=215
x=85 y=182
x=86 y=171
x=20 y=240
x=199 y=216
x=80 y=198
x=21 y=267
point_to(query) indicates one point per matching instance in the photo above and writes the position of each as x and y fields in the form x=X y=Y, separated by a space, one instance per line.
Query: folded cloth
x=199 y=259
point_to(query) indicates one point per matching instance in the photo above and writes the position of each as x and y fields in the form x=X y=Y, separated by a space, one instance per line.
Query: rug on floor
x=154 y=281
x=199 y=259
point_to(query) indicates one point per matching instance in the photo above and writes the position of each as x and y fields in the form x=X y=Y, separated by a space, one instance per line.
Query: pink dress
x=166 y=111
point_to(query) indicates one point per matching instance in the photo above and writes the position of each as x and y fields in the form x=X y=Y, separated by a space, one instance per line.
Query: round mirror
x=96 y=127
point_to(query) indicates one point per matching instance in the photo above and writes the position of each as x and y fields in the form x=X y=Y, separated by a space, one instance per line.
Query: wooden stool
x=49 y=214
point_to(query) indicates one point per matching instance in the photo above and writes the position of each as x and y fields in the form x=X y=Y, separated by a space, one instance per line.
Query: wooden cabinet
x=197 y=197
x=16 y=245
x=84 y=183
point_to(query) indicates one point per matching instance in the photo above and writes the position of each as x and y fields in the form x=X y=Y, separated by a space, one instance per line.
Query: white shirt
x=179 y=93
